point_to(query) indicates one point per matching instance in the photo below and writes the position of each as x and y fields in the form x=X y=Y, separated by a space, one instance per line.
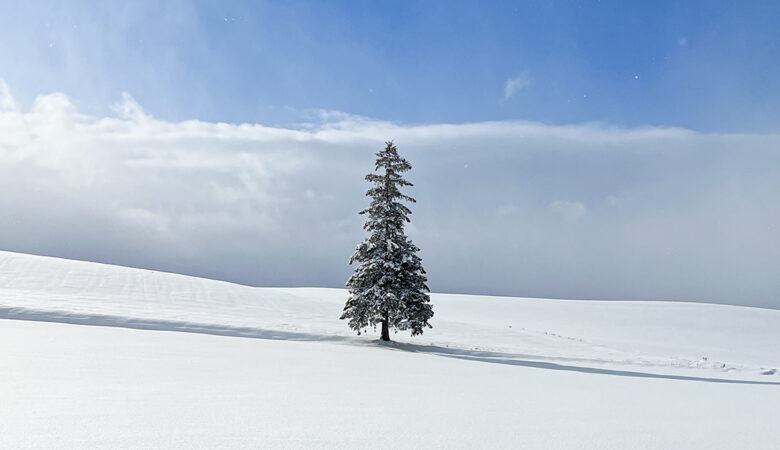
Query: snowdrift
x=158 y=360
x=732 y=341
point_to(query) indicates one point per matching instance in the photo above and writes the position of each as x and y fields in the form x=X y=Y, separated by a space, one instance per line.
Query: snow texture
x=266 y=367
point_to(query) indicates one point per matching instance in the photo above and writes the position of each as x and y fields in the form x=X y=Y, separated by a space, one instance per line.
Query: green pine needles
x=389 y=283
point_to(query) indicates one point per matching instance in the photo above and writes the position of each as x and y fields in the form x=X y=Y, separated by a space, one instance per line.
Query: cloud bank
x=510 y=208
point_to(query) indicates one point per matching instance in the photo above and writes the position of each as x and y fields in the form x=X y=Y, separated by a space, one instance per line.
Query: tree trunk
x=385 y=330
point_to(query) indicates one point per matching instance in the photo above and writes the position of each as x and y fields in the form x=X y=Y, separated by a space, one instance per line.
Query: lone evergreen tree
x=389 y=283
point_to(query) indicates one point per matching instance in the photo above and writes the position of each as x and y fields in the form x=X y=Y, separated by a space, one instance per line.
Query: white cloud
x=275 y=206
x=507 y=210
x=516 y=84
x=129 y=109
x=7 y=102
x=569 y=211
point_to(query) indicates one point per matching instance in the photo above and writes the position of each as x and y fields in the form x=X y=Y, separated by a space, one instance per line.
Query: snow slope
x=493 y=372
x=655 y=334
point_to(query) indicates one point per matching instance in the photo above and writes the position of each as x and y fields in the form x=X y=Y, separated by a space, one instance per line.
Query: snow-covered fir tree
x=389 y=283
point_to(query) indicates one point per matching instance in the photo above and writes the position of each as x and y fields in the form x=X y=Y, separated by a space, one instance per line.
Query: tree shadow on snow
x=520 y=360
x=259 y=333
x=162 y=325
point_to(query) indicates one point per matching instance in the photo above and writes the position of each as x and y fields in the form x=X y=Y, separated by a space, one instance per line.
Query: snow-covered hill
x=493 y=372
x=654 y=334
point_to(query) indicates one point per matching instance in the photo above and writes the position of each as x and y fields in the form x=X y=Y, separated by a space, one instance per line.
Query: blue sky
x=709 y=66
x=590 y=149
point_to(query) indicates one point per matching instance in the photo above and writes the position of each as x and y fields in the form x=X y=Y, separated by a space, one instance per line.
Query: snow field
x=100 y=356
